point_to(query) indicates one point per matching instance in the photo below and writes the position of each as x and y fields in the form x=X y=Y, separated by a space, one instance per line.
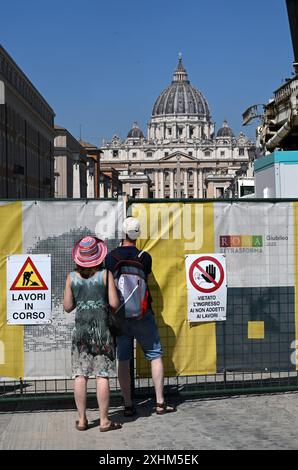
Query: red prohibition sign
x=195 y=264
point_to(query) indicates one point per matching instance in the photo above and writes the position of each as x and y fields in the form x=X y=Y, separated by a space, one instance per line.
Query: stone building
x=26 y=136
x=70 y=166
x=78 y=172
x=93 y=168
x=110 y=185
x=182 y=155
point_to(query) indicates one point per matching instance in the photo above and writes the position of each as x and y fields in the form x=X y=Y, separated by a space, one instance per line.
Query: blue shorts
x=145 y=332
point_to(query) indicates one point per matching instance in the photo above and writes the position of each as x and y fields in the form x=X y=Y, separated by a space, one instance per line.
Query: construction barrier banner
x=51 y=228
x=259 y=241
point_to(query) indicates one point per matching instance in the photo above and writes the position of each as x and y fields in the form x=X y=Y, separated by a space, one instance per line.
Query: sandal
x=82 y=428
x=129 y=411
x=111 y=427
x=165 y=408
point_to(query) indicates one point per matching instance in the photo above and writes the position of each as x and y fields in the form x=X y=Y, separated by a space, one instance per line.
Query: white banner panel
x=53 y=227
x=258 y=241
x=206 y=287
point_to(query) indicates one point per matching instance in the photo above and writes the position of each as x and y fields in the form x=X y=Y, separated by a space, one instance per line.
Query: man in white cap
x=144 y=330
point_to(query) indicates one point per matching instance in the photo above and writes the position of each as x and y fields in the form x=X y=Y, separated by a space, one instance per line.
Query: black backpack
x=131 y=282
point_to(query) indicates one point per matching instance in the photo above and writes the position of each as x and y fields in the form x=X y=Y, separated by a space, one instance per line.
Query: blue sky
x=102 y=64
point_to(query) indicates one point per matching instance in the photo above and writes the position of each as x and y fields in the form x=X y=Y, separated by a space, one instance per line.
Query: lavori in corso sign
x=28 y=289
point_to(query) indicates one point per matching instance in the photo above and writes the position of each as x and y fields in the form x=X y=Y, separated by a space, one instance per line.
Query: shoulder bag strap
x=107 y=286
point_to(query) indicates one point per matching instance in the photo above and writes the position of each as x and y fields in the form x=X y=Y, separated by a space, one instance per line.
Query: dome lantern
x=180 y=74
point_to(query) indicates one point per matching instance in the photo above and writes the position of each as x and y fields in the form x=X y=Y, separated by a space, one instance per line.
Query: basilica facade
x=182 y=155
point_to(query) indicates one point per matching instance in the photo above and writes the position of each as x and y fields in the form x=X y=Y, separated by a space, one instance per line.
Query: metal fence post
x=21 y=386
x=132 y=371
x=224 y=352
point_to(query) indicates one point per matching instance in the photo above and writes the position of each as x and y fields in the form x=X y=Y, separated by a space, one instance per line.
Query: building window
x=166 y=154
x=219 y=192
x=190 y=154
x=222 y=153
x=136 y=192
x=149 y=154
x=180 y=131
x=246 y=190
x=115 y=153
x=207 y=154
x=169 y=131
x=134 y=154
x=241 y=152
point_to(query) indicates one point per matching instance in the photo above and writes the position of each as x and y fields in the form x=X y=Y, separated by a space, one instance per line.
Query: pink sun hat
x=89 y=252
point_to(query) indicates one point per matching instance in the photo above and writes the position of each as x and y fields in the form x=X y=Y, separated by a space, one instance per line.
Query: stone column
x=156 y=183
x=178 y=178
x=201 y=192
x=195 y=183
x=90 y=185
x=186 y=183
x=152 y=132
x=101 y=190
x=76 y=191
x=172 y=190
x=174 y=134
x=162 y=184
x=187 y=131
x=144 y=190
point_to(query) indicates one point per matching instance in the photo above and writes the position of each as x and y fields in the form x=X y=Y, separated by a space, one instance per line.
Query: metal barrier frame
x=223 y=383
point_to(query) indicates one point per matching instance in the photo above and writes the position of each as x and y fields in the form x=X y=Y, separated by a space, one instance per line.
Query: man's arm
x=147 y=263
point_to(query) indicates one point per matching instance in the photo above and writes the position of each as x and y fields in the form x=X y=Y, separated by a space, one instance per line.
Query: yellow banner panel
x=169 y=232
x=11 y=336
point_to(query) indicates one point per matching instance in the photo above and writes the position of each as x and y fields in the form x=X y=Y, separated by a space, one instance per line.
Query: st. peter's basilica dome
x=181 y=97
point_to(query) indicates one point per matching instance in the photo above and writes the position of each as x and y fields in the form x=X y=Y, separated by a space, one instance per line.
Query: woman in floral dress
x=92 y=350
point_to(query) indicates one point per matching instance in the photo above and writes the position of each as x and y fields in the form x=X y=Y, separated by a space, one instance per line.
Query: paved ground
x=241 y=422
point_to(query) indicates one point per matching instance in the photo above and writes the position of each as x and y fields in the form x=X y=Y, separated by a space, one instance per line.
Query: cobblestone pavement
x=241 y=422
